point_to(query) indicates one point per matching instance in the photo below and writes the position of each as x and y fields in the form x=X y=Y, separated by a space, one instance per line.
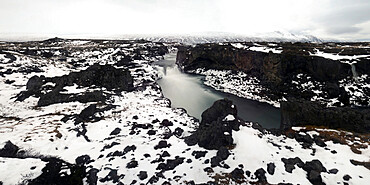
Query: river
x=188 y=91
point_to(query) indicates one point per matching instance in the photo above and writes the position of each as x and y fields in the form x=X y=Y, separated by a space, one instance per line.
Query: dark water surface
x=188 y=91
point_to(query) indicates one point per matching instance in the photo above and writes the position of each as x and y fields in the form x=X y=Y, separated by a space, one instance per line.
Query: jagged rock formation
x=214 y=130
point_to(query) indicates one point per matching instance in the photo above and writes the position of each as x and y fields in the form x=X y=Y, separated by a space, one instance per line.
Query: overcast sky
x=335 y=19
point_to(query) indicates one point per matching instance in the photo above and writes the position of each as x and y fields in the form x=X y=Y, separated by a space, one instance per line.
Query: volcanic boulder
x=214 y=130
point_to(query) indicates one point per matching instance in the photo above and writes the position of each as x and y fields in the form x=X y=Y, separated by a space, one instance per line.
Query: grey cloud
x=341 y=17
x=343 y=30
x=329 y=18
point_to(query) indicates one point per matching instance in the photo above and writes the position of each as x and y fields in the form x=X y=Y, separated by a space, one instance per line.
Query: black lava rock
x=208 y=170
x=129 y=148
x=313 y=169
x=215 y=161
x=247 y=173
x=319 y=141
x=166 y=123
x=7 y=81
x=212 y=129
x=223 y=153
x=306 y=140
x=165 y=154
x=219 y=110
x=143 y=126
x=333 y=171
x=142 y=175
x=154 y=179
x=162 y=144
x=33 y=87
x=35 y=83
x=151 y=132
x=314 y=165
x=83 y=160
x=155 y=121
x=347 y=177
x=146 y=155
x=178 y=132
x=112 y=176
x=116 y=131
x=52 y=173
x=88 y=112
x=92 y=176
x=271 y=168
x=237 y=174
x=170 y=164
x=116 y=154
x=290 y=162
x=260 y=174
x=9 y=150
x=199 y=154
x=132 y=164
x=314 y=177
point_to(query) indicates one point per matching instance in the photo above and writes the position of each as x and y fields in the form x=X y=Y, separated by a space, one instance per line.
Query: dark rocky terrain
x=91 y=112
x=301 y=113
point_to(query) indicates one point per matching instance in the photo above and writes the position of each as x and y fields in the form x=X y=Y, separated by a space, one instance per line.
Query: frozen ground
x=140 y=139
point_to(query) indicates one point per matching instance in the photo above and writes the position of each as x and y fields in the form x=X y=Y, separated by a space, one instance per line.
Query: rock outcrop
x=296 y=112
x=215 y=129
x=97 y=76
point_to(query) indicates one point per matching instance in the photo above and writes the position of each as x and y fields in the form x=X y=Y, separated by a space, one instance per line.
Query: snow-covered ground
x=141 y=138
x=258 y=47
x=239 y=84
x=337 y=56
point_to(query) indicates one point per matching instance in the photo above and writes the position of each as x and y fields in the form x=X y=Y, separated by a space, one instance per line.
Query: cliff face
x=301 y=113
x=272 y=68
x=291 y=71
x=363 y=66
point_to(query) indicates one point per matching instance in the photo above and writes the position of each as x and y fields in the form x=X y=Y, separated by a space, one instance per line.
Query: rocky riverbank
x=312 y=76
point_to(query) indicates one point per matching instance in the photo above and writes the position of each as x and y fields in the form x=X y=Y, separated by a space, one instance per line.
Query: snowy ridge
x=215 y=37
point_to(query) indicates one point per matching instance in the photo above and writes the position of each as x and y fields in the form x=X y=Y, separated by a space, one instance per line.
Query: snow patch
x=229 y=118
x=15 y=171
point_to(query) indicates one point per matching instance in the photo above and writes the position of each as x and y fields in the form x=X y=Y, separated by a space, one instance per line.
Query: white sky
x=336 y=19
